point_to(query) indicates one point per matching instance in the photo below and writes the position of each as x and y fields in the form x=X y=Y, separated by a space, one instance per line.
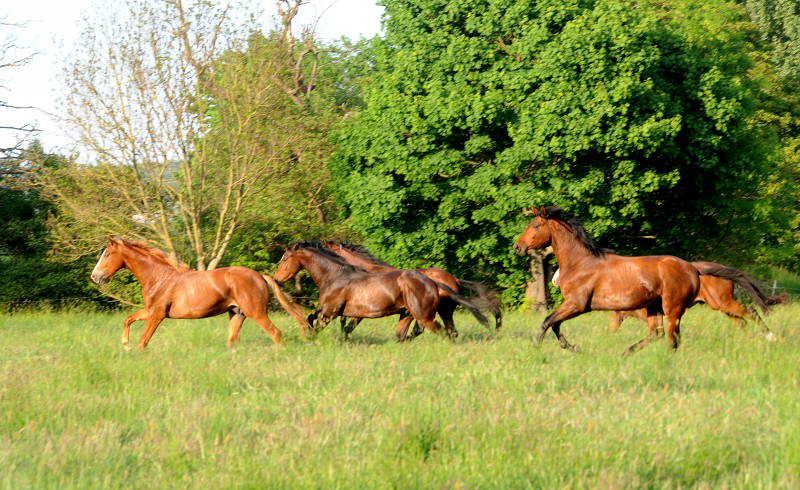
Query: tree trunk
x=536 y=291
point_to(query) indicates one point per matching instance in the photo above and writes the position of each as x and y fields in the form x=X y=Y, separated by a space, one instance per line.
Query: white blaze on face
x=98 y=262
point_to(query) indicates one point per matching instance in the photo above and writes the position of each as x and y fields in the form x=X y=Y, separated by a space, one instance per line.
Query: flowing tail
x=488 y=300
x=743 y=281
x=288 y=305
x=470 y=306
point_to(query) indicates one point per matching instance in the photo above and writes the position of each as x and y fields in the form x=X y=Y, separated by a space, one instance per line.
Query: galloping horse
x=172 y=290
x=359 y=256
x=345 y=290
x=592 y=279
x=717 y=294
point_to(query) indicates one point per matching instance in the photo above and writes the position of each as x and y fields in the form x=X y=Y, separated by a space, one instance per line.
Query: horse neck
x=319 y=267
x=569 y=251
x=143 y=267
x=363 y=262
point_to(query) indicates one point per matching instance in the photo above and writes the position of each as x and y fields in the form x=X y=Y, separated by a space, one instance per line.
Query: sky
x=53 y=28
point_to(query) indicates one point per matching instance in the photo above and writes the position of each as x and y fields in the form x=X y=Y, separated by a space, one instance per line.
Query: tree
x=779 y=109
x=27 y=273
x=13 y=54
x=612 y=110
x=187 y=115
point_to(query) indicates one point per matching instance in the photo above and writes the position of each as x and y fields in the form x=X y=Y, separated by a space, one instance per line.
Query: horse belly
x=198 y=301
x=623 y=294
x=371 y=303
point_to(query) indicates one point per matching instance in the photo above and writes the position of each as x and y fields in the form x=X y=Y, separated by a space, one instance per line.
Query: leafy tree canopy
x=624 y=113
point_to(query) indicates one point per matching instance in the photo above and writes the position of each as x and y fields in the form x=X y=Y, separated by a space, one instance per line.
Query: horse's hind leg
x=236 y=318
x=258 y=313
x=737 y=313
x=126 y=329
x=653 y=321
x=446 y=308
x=402 y=327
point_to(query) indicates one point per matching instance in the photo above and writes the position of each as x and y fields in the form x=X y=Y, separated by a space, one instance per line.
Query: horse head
x=536 y=234
x=109 y=263
x=288 y=266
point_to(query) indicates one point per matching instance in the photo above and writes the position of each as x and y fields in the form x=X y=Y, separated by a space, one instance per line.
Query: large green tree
x=615 y=110
x=28 y=275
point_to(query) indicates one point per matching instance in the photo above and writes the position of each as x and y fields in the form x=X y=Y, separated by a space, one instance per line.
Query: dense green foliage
x=76 y=411
x=610 y=109
x=27 y=274
x=778 y=104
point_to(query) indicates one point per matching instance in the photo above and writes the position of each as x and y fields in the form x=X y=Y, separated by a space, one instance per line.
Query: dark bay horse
x=592 y=279
x=173 y=290
x=359 y=256
x=352 y=292
x=717 y=294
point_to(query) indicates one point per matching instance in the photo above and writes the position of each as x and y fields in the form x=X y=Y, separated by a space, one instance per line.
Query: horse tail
x=776 y=300
x=489 y=302
x=469 y=305
x=742 y=280
x=288 y=305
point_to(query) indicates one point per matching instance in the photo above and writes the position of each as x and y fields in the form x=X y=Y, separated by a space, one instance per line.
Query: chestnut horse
x=359 y=256
x=173 y=290
x=717 y=294
x=345 y=290
x=593 y=279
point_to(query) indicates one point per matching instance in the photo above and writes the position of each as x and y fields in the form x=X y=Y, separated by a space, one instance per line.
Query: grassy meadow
x=486 y=411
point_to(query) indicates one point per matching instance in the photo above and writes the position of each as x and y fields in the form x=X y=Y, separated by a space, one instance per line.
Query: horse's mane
x=154 y=253
x=362 y=251
x=569 y=219
x=322 y=249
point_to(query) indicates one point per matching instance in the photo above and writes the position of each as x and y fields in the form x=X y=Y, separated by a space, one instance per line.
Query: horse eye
x=535 y=226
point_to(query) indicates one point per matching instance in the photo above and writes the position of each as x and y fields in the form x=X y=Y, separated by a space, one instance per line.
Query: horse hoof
x=575 y=349
x=771 y=337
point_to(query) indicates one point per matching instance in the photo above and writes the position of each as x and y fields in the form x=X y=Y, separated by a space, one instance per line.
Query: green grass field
x=487 y=411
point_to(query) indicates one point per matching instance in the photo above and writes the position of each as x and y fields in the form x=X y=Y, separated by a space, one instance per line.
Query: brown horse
x=359 y=256
x=172 y=290
x=717 y=294
x=592 y=279
x=345 y=290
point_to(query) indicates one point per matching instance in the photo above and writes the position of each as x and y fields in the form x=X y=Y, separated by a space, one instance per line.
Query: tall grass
x=487 y=411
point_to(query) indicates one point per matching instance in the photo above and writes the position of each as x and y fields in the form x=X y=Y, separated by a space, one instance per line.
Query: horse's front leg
x=126 y=329
x=322 y=321
x=348 y=329
x=154 y=319
x=564 y=312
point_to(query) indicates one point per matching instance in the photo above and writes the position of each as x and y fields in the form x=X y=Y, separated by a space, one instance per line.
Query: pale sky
x=53 y=27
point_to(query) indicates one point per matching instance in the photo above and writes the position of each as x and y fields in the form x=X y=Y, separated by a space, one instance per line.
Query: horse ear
x=543 y=212
x=110 y=240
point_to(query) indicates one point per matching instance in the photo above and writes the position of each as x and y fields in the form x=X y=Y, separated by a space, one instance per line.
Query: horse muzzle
x=279 y=283
x=98 y=277
x=520 y=250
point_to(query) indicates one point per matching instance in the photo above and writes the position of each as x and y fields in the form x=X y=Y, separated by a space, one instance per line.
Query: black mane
x=578 y=230
x=320 y=247
x=362 y=251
